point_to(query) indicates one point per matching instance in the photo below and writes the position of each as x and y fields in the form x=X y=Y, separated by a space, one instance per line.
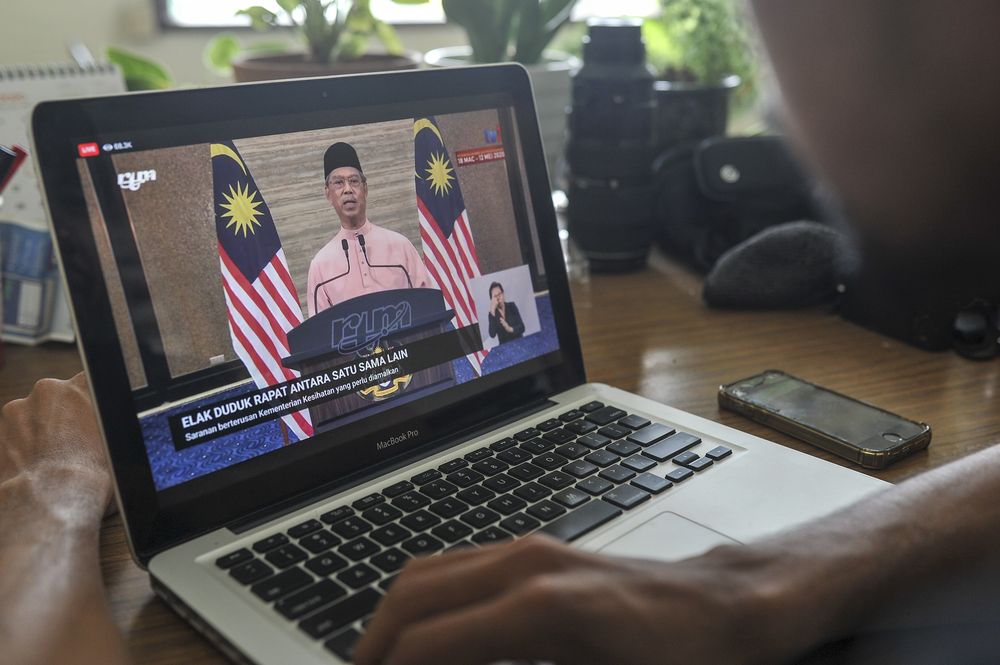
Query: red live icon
x=88 y=149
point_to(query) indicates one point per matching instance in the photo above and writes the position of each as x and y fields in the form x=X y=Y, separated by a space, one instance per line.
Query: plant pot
x=690 y=112
x=551 y=83
x=295 y=65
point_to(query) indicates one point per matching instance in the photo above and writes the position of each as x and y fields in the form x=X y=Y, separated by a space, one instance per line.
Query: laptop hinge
x=272 y=512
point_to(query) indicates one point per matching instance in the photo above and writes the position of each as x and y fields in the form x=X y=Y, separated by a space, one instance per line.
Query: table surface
x=647 y=332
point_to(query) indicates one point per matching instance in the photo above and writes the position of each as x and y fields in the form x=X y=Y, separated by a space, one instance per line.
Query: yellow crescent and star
x=241 y=204
x=439 y=171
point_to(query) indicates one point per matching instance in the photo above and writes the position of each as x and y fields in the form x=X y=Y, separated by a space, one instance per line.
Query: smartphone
x=859 y=432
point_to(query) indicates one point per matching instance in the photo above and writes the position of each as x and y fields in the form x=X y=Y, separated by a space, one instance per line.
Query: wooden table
x=649 y=333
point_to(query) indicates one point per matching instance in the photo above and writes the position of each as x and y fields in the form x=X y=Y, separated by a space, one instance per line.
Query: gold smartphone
x=854 y=430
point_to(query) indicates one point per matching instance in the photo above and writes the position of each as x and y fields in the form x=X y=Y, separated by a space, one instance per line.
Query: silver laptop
x=328 y=328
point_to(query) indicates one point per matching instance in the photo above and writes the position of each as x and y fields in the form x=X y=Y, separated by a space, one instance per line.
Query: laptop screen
x=302 y=282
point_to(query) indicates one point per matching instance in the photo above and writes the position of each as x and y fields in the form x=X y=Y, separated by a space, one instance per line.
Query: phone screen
x=828 y=412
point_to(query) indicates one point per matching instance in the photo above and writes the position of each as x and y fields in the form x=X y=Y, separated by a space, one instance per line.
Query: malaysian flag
x=261 y=299
x=449 y=251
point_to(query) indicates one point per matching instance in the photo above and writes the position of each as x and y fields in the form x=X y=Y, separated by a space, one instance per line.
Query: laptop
x=328 y=328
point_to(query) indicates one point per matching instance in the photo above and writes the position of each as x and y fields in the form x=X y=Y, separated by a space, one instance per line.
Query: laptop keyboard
x=565 y=477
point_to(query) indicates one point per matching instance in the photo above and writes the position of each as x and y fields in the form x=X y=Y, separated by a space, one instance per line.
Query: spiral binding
x=53 y=70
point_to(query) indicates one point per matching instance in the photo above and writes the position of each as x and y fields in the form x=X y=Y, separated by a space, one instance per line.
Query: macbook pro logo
x=133 y=180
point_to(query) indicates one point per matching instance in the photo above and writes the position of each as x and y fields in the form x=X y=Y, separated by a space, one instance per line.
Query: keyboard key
x=420 y=520
x=425 y=476
x=685 y=458
x=719 y=452
x=358 y=549
x=449 y=507
x=285 y=556
x=638 y=463
x=351 y=527
x=337 y=514
x=670 y=446
x=387 y=582
x=526 y=434
x=341 y=614
x=537 y=446
x=580 y=427
x=383 y=514
x=476 y=495
x=624 y=448
x=452 y=466
x=282 y=584
x=549 y=424
x=305 y=528
x=617 y=474
x=411 y=501
x=390 y=534
x=394 y=490
x=390 y=560
x=519 y=524
x=572 y=450
x=514 y=456
x=680 y=474
x=507 y=504
x=571 y=498
x=327 y=563
x=557 y=480
x=358 y=575
x=490 y=534
x=595 y=485
x=594 y=441
x=270 y=543
x=559 y=436
x=571 y=415
x=549 y=461
x=479 y=517
x=311 y=598
x=626 y=496
x=342 y=644
x=501 y=483
x=650 y=483
x=366 y=502
x=602 y=458
x=251 y=571
x=227 y=561
x=490 y=467
x=478 y=454
x=580 y=468
x=605 y=415
x=532 y=492
x=526 y=472
x=700 y=464
x=438 y=489
x=581 y=521
x=590 y=407
x=465 y=477
x=451 y=531
x=650 y=434
x=614 y=431
x=422 y=544
x=634 y=421
x=546 y=510
x=503 y=444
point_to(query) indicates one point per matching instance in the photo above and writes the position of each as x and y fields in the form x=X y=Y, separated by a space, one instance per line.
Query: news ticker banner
x=210 y=421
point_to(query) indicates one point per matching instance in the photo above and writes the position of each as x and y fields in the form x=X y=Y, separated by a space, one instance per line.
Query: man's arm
x=762 y=603
x=514 y=320
x=54 y=488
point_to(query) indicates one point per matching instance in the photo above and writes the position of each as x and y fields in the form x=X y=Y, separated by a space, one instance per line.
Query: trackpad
x=666 y=537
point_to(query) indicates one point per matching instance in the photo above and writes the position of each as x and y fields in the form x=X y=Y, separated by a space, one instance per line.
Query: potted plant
x=519 y=31
x=702 y=53
x=335 y=31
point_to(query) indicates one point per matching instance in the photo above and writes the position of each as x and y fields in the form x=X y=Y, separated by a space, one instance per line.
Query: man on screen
x=375 y=259
x=505 y=320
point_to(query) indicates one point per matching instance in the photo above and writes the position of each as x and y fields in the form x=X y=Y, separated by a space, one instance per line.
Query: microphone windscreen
x=343 y=243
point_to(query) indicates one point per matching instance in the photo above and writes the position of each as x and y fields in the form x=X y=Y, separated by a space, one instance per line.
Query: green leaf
x=410 y=2
x=220 y=51
x=387 y=35
x=261 y=18
x=140 y=73
x=289 y=5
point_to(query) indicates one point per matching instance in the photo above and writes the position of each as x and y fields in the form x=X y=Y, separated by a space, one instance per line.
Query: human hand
x=506 y=326
x=537 y=599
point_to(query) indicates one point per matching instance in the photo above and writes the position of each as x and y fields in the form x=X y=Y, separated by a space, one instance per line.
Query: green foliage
x=517 y=30
x=140 y=73
x=699 y=40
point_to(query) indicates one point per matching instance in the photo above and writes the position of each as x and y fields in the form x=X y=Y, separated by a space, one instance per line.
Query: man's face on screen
x=347 y=192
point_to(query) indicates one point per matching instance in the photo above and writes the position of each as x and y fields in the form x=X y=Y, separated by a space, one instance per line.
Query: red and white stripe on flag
x=260 y=315
x=451 y=263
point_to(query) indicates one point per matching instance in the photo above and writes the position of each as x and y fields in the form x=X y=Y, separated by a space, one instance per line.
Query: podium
x=359 y=327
